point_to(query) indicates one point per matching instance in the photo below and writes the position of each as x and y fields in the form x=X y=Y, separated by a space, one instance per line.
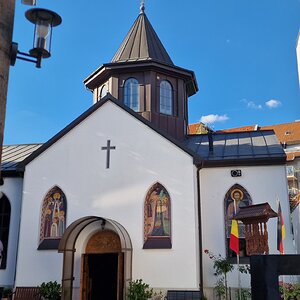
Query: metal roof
x=142 y=43
x=13 y=155
x=236 y=147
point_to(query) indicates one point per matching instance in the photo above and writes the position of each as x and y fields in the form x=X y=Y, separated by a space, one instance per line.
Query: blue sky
x=242 y=52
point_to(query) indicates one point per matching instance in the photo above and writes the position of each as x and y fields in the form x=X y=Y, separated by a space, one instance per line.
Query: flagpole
x=239 y=276
x=238 y=255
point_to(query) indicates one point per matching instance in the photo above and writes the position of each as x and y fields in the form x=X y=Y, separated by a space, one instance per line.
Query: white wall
x=142 y=157
x=264 y=184
x=12 y=189
x=296 y=228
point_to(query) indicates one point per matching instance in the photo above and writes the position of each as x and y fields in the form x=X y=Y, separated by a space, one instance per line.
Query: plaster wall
x=77 y=165
x=264 y=184
x=12 y=189
x=296 y=228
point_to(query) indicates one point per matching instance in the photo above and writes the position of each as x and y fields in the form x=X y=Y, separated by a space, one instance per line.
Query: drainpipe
x=200 y=231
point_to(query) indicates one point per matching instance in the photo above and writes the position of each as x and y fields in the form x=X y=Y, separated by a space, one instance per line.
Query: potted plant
x=50 y=290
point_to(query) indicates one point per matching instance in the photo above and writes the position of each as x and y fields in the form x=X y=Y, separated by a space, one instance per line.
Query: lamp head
x=44 y=20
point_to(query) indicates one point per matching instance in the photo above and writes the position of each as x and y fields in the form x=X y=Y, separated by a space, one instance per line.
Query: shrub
x=138 y=290
x=50 y=290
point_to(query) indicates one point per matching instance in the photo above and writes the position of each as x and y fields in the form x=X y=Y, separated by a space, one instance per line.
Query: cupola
x=143 y=76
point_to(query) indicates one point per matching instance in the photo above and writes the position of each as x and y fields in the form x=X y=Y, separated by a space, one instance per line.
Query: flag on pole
x=234 y=237
x=280 y=230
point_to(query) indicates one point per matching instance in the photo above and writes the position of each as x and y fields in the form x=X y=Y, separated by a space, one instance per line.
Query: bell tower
x=142 y=75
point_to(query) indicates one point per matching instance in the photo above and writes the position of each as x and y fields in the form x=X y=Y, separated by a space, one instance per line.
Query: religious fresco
x=53 y=219
x=235 y=198
x=157 y=218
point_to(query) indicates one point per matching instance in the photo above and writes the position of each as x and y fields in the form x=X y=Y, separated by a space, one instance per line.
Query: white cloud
x=252 y=104
x=209 y=119
x=273 y=103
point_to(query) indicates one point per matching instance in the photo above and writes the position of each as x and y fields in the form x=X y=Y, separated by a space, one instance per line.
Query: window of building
x=53 y=219
x=5 y=211
x=131 y=94
x=166 y=98
x=103 y=91
x=157 y=218
x=235 y=198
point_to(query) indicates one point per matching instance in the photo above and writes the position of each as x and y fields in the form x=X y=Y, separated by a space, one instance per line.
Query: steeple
x=142 y=43
x=143 y=77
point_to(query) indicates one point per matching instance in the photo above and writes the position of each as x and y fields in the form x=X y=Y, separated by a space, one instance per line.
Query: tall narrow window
x=157 y=218
x=131 y=94
x=235 y=198
x=103 y=92
x=53 y=219
x=166 y=98
x=5 y=211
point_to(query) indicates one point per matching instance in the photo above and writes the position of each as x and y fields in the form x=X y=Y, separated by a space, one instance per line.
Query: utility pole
x=7 y=13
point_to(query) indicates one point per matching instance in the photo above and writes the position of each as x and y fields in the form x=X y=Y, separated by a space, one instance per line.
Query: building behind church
x=124 y=192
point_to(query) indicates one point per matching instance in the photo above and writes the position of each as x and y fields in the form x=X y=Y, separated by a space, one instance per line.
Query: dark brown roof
x=142 y=43
x=13 y=155
x=262 y=210
x=237 y=148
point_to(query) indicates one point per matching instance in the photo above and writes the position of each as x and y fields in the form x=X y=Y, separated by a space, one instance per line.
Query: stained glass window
x=5 y=211
x=53 y=219
x=166 y=98
x=131 y=94
x=235 y=198
x=157 y=218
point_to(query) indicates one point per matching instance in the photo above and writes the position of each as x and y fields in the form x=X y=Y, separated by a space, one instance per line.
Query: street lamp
x=44 y=20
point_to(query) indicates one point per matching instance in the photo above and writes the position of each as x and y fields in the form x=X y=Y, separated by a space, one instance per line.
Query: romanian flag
x=280 y=230
x=234 y=237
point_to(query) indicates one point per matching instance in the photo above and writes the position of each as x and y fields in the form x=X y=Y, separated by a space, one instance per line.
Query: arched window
x=53 y=219
x=103 y=91
x=131 y=94
x=235 y=198
x=166 y=98
x=157 y=218
x=5 y=211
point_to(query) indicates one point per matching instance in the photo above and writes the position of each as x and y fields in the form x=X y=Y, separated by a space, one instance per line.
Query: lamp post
x=44 y=21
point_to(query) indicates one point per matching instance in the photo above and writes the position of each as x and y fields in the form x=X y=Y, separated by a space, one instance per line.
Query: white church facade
x=123 y=192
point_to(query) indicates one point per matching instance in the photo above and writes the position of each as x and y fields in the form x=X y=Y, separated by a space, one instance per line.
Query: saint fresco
x=157 y=218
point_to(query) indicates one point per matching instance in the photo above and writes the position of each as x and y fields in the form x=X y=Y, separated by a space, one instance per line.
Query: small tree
x=222 y=267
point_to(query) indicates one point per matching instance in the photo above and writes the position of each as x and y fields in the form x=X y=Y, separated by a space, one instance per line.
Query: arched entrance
x=102 y=267
x=105 y=259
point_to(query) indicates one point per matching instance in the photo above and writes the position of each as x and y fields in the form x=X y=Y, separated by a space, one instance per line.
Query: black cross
x=108 y=148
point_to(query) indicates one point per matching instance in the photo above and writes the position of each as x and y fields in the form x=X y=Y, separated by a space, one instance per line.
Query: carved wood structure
x=255 y=218
x=102 y=242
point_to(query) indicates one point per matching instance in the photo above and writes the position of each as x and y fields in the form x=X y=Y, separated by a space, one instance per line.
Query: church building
x=124 y=192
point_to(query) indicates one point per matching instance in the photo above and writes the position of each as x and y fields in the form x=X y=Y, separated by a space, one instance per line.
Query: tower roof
x=142 y=43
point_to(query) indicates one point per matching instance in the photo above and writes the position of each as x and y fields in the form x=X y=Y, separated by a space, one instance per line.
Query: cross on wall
x=108 y=148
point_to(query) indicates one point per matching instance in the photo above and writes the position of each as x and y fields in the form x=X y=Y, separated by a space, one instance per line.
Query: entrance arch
x=103 y=232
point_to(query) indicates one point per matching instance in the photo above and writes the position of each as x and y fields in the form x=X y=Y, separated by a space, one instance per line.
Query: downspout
x=200 y=231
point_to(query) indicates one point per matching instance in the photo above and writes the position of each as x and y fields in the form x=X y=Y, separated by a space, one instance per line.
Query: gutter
x=200 y=231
